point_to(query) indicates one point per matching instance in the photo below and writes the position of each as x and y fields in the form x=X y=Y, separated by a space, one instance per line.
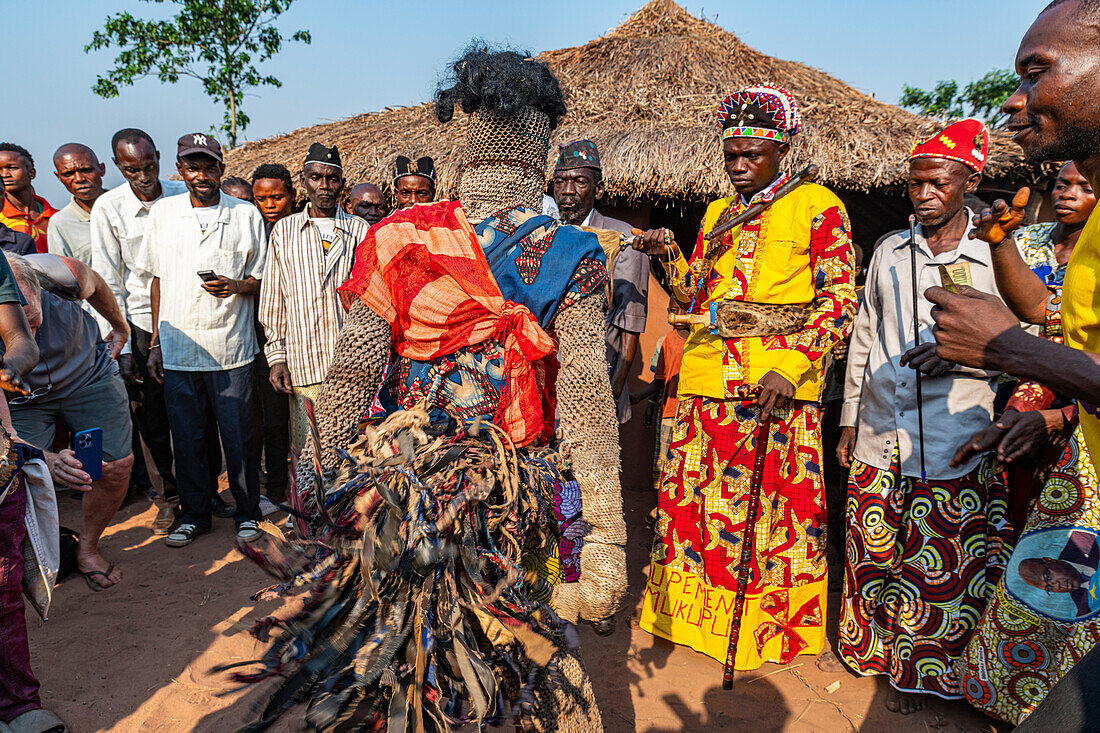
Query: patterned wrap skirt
x=1028 y=639
x=702 y=512
x=921 y=561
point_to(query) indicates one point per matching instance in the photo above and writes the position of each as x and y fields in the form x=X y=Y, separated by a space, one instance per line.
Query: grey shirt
x=71 y=353
x=629 y=298
x=880 y=396
x=70 y=233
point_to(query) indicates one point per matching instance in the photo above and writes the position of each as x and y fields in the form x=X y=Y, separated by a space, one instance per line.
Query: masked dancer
x=437 y=533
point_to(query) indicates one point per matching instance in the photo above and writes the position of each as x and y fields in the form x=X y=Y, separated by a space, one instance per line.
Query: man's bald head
x=79 y=170
x=366 y=201
x=79 y=149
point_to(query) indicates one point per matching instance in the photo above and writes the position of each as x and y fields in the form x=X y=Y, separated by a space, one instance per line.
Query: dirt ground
x=137 y=657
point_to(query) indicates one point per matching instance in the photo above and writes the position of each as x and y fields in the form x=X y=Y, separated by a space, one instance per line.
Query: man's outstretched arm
x=978 y=330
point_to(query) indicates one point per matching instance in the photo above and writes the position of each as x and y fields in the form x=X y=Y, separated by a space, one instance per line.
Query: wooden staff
x=805 y=175
x=748 y=542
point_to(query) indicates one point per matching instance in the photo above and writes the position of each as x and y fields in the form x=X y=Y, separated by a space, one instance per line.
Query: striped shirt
x=299 y=306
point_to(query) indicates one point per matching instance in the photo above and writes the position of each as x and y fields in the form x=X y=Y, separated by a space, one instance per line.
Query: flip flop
x=94 y=585
x=35 y=721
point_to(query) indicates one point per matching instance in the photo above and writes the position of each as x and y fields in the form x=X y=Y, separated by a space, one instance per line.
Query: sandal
x=184 y=535
x=36 y=721
x=97 y=587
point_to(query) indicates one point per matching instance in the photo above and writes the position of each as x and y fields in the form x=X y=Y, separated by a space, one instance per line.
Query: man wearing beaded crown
x=797 y=250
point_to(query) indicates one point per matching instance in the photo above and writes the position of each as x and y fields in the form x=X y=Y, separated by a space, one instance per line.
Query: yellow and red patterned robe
x=797 y=252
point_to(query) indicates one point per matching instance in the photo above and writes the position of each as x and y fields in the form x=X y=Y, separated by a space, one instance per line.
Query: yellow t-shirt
x=799 y=251
x=1081 y=314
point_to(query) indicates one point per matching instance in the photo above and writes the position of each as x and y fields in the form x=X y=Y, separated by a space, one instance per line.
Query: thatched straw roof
x=646 y=93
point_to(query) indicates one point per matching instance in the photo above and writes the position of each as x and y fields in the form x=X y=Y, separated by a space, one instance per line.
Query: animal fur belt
x=733 y=319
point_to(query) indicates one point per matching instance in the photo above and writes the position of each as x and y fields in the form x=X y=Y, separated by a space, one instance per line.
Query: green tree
x=982 y=98
x=218 y=42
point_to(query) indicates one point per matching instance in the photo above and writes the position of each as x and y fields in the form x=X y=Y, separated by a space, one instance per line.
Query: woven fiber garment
x=504 y=162
x=508 y=511
x=420 y=614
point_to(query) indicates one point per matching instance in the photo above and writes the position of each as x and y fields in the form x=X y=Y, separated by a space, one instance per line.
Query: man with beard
x=206 y=253
x=1054 y=117
x=23 y=210
x=578 y=185
x=118 y=220
x=413 y=181
x=70 y=230
x=366 y=201
x=922 y=533
x=309 y=257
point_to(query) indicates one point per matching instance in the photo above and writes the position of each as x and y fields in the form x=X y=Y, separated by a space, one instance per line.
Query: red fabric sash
x=424 y=271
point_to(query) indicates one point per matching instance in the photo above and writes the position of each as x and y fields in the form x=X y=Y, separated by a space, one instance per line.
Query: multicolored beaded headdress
x=763 y=111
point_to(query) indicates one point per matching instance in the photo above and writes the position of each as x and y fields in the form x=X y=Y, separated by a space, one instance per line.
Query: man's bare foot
x=903 y=703
x=827 y=661
x=103 y=573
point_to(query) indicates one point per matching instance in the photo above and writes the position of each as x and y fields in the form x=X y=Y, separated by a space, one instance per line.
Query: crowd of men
x=193 y=321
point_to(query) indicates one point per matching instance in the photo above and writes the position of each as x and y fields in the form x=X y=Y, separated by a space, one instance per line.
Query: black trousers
x=151 y=414
x=226 y=396
x=274 y=427
x=151 y=422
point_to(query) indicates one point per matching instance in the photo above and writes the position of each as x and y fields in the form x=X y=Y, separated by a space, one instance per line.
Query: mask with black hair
x=514 y=102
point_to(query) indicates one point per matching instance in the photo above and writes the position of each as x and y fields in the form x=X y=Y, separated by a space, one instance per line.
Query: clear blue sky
x=367 y=55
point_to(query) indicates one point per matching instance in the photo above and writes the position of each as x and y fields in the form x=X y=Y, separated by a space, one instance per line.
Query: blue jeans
x=191 y=397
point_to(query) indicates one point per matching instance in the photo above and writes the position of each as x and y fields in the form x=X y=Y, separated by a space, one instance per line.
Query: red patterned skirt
x=922 y=559
x=702 y=508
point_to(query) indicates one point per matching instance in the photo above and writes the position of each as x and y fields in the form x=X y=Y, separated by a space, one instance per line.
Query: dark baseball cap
x=198 y=143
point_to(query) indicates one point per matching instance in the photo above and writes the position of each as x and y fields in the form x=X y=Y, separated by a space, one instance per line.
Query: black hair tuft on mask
x=499 y=82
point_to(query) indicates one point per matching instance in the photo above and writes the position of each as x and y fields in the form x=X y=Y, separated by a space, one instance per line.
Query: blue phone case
x=88 y=447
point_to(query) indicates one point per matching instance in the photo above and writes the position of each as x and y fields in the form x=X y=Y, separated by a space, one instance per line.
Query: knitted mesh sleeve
x=358 y=364
x=590 y=437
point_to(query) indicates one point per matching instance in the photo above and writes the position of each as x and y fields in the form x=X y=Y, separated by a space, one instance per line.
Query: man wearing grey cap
x=206 y=254
x=309 y=256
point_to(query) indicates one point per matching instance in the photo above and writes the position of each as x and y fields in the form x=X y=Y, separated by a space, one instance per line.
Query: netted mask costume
x=420 y=539
x=504 y=162
x=514 y=103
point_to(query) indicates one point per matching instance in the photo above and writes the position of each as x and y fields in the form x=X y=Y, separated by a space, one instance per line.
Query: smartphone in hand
x=88 y=447
x=207 y=275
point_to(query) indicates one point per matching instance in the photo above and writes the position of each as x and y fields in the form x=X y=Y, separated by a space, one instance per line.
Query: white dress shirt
x=118 y=226
x=199 y=332
x=881 y=395
x=299 y=306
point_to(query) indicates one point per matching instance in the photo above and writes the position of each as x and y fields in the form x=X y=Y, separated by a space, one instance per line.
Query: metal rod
x=916 y=341
x=763 y=436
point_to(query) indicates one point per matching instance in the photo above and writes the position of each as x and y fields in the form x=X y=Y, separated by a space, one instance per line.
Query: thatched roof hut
x=646 y=93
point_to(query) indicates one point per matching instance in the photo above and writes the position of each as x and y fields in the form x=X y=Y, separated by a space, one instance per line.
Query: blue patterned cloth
x=538 y=263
